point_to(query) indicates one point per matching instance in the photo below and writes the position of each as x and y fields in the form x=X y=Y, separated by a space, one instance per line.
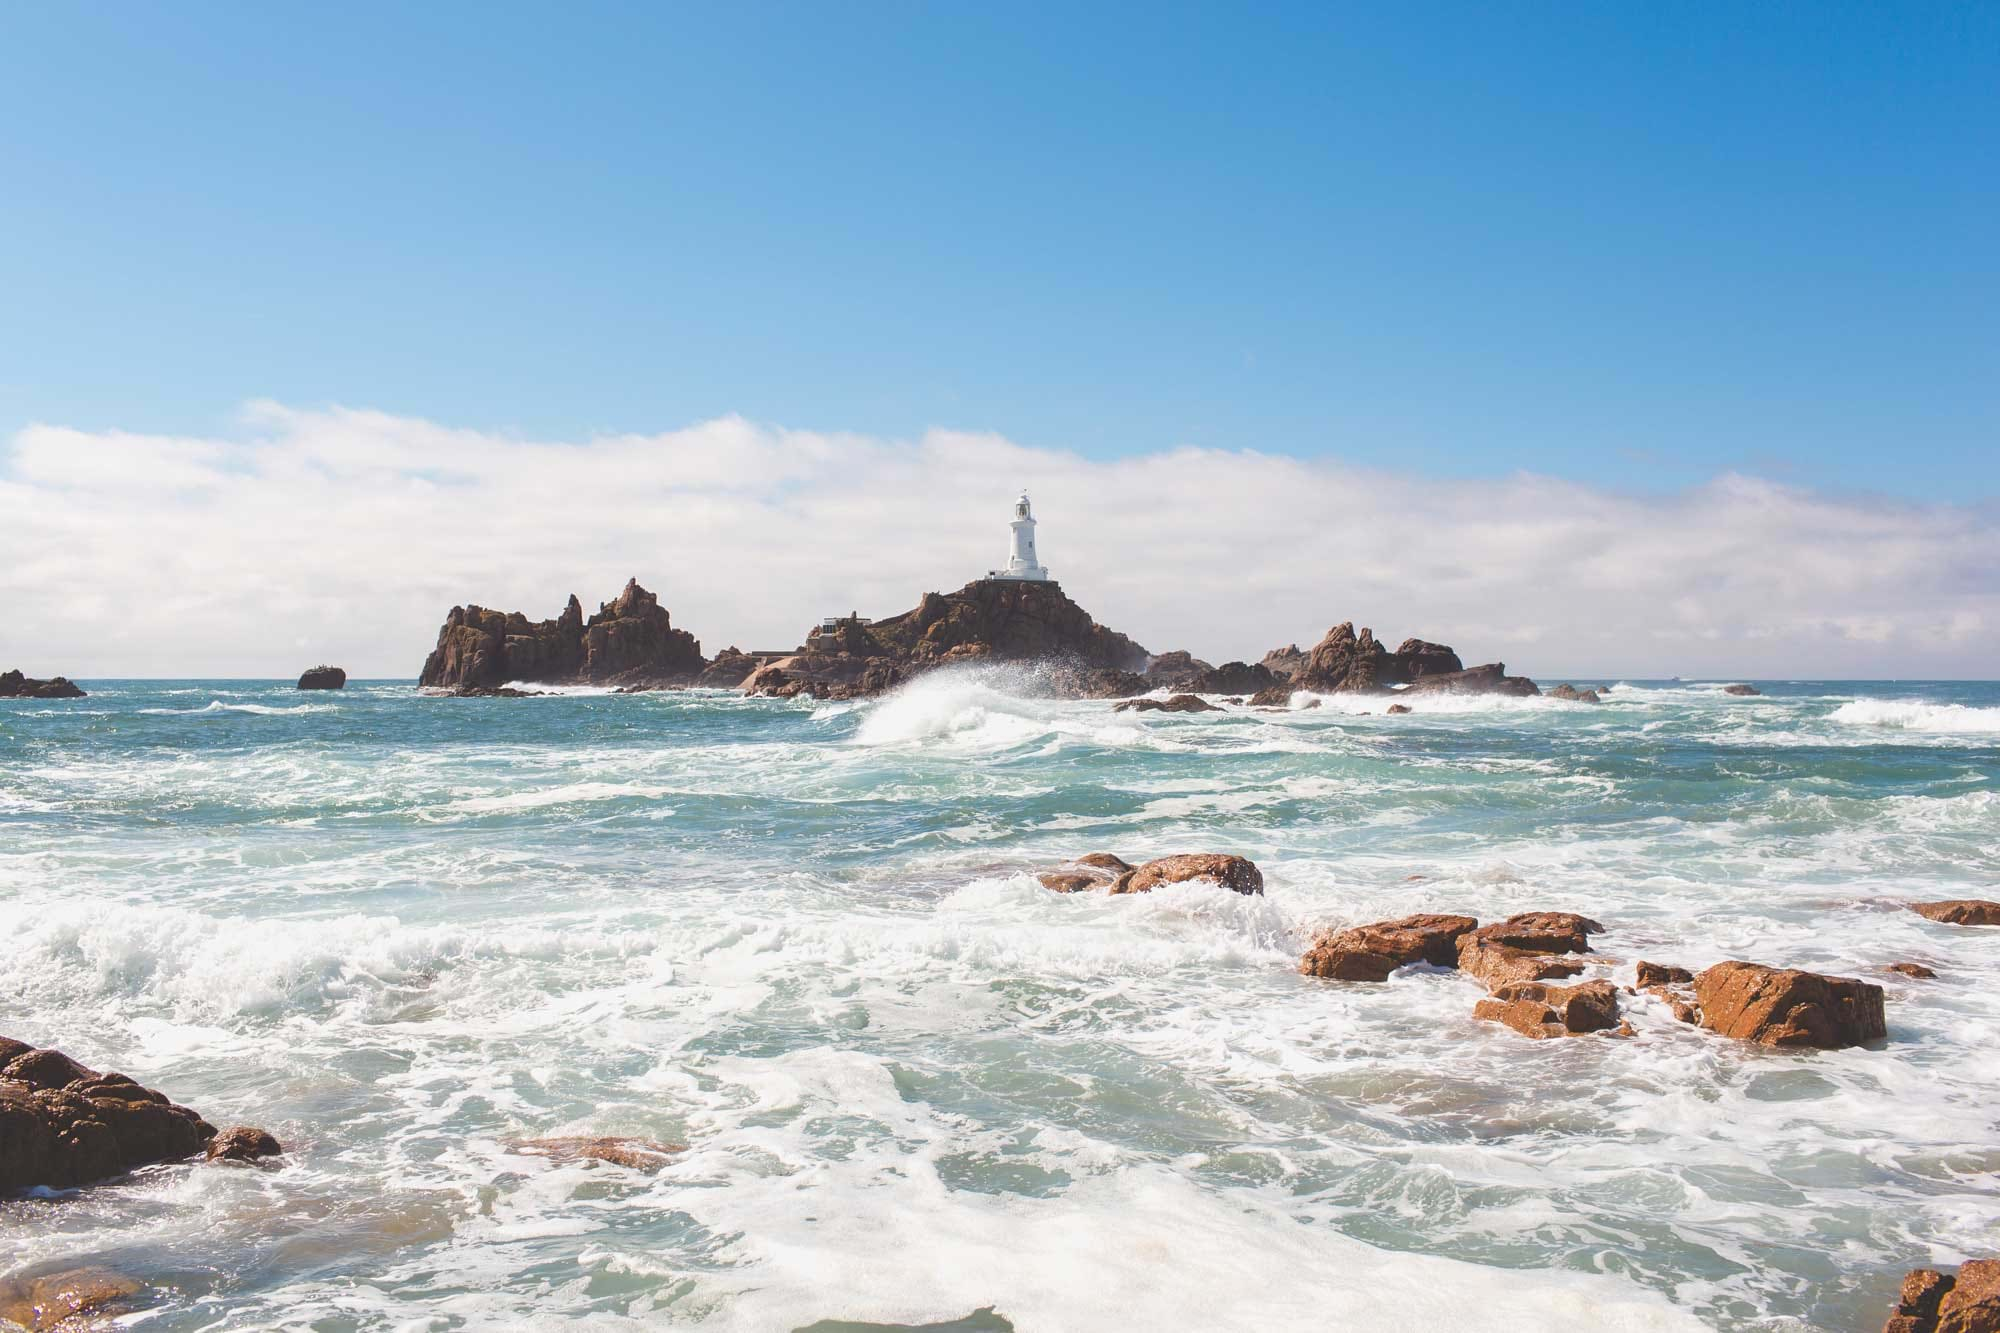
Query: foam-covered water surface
x=805 y=941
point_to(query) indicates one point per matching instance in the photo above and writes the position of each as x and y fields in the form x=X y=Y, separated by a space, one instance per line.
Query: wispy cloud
x=344 y=535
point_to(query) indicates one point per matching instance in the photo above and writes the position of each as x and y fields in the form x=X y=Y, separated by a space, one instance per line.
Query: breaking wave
x=1914 y=715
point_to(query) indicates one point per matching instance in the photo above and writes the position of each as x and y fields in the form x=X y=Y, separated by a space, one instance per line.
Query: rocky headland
x=629 y=641
x=14 y=685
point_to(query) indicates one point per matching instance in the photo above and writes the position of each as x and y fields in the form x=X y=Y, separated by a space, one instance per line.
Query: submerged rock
x=14 y=685
x=243 y=1143
x=1536 y=1009
x=1741 y=691
x=1960 y=911
x=52 y=1301
x=62 y=1124
x=1964 y=1302
x=323 y=678
x=1232 y=872
x=1399 y=710
x=1098 y=870
x=1180 y=703
x=639 y=1154
x=1914 y=970
x=1572 y=694
x=1373 y=951
x=1775 y=1006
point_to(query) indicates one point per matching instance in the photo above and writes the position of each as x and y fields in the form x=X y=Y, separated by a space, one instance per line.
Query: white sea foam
x=1915 y=715
x=261 y=710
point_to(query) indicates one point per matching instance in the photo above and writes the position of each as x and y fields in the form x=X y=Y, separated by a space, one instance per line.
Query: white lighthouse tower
x=1022 y=563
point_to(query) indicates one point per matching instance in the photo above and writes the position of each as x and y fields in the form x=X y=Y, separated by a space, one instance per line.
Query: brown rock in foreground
x=52 y=1301
x=1960 y=911
x=1543 y=932
x=1232 y=872
x=630 y=641
x=323 y=678
x=14 y=685
x=1520 y=948
x=1786 y=1007
x=1662 y=974
x=1180 y=703
x=1373 y=951
x=639 y=1154
x=1965 y=1302
x=62 y=1124
x=1537 y=1009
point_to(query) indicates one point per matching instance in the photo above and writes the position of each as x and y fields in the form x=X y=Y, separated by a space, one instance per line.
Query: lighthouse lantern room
x=1022 y=562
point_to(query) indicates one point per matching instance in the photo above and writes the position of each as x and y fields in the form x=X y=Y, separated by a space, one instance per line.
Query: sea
x=917 y=1089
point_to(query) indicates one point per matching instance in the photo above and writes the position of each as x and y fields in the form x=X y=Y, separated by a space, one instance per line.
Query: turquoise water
x=806 y=942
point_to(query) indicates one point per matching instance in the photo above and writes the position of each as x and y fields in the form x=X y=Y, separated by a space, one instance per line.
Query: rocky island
x=14 y=685
x=629 y=641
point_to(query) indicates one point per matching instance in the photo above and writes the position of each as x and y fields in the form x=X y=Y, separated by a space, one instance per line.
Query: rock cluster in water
x=1103 y=870
x=629 y=641
x=14 y=685
x=62 y=1124
x=1347 y=662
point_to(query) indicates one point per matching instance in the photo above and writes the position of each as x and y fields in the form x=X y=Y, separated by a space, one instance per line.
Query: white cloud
x=345 y=535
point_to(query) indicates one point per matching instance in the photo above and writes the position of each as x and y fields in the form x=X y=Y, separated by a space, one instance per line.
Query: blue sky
x=1632 y=245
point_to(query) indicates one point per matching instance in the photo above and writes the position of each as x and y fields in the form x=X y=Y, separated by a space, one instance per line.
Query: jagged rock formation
x=323 y=678
x=14 y=685
x=1373 y=951
x=1965 y=1302
x=1345 y=662
x=630 y=641
x=1537 y=1009
x=989 y=620
x=1180 y=703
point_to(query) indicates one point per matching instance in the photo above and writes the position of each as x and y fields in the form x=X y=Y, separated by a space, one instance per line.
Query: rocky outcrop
x=1537 y=1009
x=1398 y=710
x=1967 y=1301
x=62 y=1124
x=630 y=640
x=46 y=1302
x=1571 y=694
x=1176 y=669
x=1914 y=971
x=1347 y=662
x=1180 y=703
x=323 y=678
x=1491 y=678
x=990 y=620
x=1232 y=872
x=639 y=1154
x=1960 y=911
x=1373 y=951
x=1233 y=678
x=1775 y=1006
x=14 y=685
x=1741 y=691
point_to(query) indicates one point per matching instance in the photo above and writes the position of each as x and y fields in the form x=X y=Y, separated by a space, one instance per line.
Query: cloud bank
x=343 y=536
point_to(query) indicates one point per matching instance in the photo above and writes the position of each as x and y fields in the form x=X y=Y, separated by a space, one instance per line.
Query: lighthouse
x=1022 y=562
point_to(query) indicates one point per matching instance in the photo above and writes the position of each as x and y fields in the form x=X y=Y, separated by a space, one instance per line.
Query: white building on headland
x=1022 y=563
